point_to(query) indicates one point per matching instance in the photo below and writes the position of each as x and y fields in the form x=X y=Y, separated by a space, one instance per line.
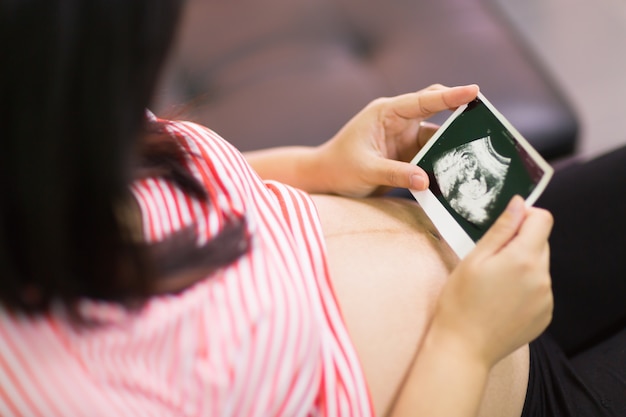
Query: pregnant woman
x=149 y=268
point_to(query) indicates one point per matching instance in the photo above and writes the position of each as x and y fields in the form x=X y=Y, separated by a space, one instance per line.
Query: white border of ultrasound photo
x=450 y=230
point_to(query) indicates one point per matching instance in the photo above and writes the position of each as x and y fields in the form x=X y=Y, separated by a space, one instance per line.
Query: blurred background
x=583 y=44
x=283 y=72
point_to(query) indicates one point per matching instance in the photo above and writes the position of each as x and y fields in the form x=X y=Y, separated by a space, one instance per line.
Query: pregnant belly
x=388 y=265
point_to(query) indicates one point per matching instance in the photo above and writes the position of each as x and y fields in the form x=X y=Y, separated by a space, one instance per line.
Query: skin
x=389 y=266
x=446 y=338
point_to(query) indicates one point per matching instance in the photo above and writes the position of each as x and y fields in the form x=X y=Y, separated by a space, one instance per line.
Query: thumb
x=505 y=228
x=394 y=173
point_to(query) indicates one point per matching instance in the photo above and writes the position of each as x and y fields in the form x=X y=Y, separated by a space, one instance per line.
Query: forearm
x=294 y=165
x=445 y=380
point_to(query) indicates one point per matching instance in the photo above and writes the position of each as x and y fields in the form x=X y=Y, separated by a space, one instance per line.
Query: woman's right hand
x=499 y=297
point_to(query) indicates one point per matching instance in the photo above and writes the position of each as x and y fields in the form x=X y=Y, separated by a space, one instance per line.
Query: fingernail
x=418 y=182
x=429 y=125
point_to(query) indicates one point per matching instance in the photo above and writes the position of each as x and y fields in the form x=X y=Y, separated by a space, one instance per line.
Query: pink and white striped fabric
x=262 y=337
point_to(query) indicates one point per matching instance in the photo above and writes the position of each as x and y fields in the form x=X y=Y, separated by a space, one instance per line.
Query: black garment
x=578 y=367
x=591 y=384
x=588 y=250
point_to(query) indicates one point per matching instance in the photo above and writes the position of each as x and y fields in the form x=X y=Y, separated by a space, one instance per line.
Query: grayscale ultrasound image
x=471 y=177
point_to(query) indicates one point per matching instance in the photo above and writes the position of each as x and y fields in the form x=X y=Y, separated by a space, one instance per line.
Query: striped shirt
x=261 y=337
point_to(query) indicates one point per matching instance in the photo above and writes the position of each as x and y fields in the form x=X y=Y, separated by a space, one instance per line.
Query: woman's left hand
x=373 y=149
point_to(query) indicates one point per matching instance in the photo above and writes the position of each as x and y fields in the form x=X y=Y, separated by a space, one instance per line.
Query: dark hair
x=75 y=79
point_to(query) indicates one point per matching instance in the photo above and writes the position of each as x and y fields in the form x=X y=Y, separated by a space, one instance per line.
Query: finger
x=425 y=132
x=535 y=230
x=410 y=142
x=435 y=87
x=388 y=172
x=545 y=254
x=504 y=229
x=425 y=103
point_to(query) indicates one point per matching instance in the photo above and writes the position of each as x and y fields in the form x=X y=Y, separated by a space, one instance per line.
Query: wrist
x=469 y=348
x=299 y=166
x=447 y=378
x=316 y=167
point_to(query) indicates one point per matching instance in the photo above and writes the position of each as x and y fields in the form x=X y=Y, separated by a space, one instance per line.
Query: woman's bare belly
x=388 y=265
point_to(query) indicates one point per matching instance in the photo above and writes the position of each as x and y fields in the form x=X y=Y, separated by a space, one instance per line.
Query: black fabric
x=588 y=250
x=555 y=388
x=591 y=384
x=603 y=367
x=578 y=366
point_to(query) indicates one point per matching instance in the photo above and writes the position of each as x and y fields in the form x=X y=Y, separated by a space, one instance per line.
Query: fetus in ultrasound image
x=471 y=177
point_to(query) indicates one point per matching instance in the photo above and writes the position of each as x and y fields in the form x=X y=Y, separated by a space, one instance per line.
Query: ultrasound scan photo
x=476 y=162
x=471 y=177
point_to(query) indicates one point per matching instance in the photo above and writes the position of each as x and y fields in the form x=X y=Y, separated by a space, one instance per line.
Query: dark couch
x=281 y=72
